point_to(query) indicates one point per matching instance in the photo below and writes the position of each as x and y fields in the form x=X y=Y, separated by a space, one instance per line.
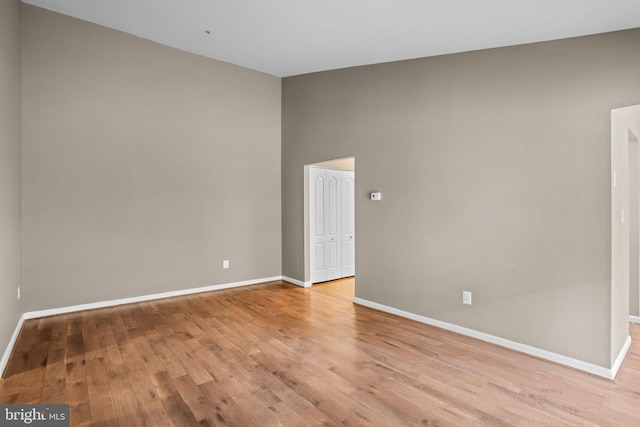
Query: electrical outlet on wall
x=19 y=293
x=225 y=263
x=466 y=297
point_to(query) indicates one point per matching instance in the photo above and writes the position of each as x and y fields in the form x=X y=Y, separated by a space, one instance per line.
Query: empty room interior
x=321 y=213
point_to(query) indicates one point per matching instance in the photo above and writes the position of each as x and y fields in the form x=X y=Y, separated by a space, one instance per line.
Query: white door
x=317 y=179
x=331 y=224
x=333 y=200
x=348 y=224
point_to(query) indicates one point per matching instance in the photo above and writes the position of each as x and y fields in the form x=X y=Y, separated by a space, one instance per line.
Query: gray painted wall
x=144 y=166
x=10 y=216
x=494 y=168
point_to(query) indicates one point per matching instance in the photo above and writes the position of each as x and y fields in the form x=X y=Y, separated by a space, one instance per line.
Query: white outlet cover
x=466 y=297
x=225 y=263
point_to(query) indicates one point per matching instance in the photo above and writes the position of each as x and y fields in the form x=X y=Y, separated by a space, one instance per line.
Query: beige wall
x=10 y=217
x=495 y=172
x=144 y=166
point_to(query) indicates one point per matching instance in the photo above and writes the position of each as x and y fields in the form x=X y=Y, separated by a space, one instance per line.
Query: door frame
x=624 y=122
x=329 y=164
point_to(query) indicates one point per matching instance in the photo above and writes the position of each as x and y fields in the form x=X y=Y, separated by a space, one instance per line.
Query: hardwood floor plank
x=123 y=395
x=227 y=411
x=277 y=354
x=10 y=388
x=76 y=391
x=31 y=386
x=99 y=393
x=177 y=410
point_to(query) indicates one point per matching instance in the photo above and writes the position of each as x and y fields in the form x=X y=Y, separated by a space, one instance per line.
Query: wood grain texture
x=278 y=354
x=341 y=288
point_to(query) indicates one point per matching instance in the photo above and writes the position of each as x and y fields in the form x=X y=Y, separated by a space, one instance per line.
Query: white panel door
x=317 y=180
x=333 y=217
x=331 y=224
x=348 y=224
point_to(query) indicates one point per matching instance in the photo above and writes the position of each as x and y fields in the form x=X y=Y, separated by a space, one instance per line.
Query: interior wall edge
x=11 y=305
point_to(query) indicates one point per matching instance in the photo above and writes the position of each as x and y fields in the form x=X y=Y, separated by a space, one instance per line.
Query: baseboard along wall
x=110 y=303
x=533 y=351
x=523 y=348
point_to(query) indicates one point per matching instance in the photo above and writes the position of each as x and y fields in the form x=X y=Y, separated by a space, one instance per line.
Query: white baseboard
x=621 y=356
x=110 y=303
x=634 y=319
x=296 y=282
x=9 y=349
x=543 y=354
x=523 y=348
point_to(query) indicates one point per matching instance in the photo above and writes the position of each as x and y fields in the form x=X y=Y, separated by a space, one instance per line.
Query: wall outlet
x=225 y=263
x=466 y=297
x=19 y=292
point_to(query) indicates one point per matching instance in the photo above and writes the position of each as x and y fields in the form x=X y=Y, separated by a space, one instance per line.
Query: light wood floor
x=341 y=288
x=278 y=354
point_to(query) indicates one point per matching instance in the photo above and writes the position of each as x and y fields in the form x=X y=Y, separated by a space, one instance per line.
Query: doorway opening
x=625 y=224
x=329 y=222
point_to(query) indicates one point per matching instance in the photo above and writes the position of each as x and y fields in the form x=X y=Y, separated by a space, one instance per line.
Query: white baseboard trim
x=523 y=348
x=9 y=349
x=111 y=303
x=142 y=298
x=296 y=282
x=534 y=351
x=621 y=356
x=634 y=319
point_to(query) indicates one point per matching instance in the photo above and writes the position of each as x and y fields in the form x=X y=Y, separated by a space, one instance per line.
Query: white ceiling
x=290 y=37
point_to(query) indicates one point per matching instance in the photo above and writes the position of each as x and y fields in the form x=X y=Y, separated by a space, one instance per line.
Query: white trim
x=9 y=349
x=523 y=348
x=634 y=319
x=618 y=362
x=296 y=282
x=110 y=303
x=534 y=351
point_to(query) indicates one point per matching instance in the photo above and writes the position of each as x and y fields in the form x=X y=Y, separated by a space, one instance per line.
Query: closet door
x=333 y=233
x=317 y=180
x=348 y=224
x=331 y=224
